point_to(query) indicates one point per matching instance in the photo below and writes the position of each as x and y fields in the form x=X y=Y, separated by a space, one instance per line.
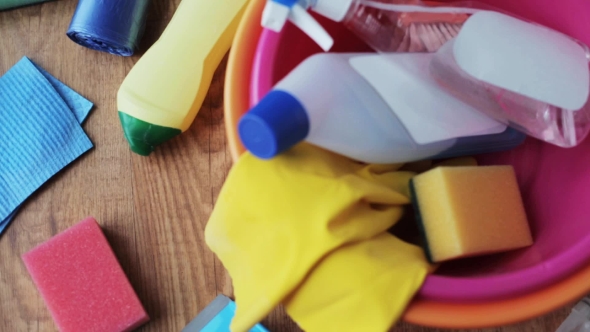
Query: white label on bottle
x=525 y=58
x=429 y=113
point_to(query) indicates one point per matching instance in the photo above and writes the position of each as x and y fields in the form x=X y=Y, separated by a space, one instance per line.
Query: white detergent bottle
x=524 y=75
x=372 y=108
x=385 y=25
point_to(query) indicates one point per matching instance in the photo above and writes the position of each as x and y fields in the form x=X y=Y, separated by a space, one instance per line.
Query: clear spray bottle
x=385 y=25
x=524 y=75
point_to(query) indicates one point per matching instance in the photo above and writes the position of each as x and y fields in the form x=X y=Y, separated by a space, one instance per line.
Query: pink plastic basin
x=555 y=182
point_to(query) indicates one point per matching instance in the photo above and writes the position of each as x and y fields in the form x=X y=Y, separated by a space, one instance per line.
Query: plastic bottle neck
x=335 y=10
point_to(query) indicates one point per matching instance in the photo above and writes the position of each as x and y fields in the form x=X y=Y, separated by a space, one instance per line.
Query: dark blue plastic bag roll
x=113 y=26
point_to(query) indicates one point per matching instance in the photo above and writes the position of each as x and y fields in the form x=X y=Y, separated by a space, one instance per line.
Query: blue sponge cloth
x=40 y=132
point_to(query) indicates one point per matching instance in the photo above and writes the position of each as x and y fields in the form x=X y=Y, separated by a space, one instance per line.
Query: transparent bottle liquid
x=556 y=125
x=385 y=25
x=407 y=25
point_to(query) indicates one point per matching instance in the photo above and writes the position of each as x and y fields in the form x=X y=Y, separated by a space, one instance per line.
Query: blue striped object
x=40 y=132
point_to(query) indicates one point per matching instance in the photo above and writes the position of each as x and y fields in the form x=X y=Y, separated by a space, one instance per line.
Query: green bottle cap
x=143 y=137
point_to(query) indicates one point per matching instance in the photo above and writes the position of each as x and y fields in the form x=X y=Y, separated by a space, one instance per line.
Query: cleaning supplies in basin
x=162 y=94
x=372 y=108
x=522 y=74
x=467 y=211
x=385 y=25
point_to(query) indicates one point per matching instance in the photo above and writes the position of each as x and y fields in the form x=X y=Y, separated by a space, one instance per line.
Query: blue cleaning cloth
x=78 y=105
x=40 y=132
x=4 y=223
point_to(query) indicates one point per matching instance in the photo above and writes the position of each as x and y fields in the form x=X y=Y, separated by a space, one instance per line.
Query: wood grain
x=153 y=210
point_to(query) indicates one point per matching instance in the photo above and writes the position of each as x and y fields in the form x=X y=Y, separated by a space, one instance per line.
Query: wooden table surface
x=153 y=210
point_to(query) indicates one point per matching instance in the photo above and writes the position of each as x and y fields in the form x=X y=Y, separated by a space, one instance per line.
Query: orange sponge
x=468 y=211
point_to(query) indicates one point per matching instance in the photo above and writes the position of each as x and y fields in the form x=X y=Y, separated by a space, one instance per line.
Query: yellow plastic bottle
x=162 y=94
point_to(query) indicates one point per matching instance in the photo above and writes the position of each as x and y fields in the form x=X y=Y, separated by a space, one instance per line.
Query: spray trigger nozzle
x=277 y=12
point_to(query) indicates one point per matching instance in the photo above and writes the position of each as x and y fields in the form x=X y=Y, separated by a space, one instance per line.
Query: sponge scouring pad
x=469 y=211
x=82 y=283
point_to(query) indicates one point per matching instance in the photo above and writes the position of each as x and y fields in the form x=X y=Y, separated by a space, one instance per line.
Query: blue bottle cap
x=276 y=124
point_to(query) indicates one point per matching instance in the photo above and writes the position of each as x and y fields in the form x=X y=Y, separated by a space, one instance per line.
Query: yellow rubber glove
x=364 y=286
x=275 y=220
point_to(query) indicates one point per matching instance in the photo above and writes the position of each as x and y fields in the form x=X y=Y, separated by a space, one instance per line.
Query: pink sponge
x=82 y=282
